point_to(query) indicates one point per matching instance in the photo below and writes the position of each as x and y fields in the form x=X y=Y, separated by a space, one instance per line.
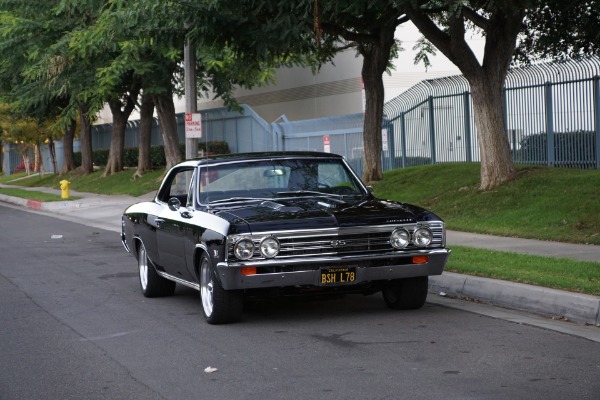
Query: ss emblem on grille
x=337 y=243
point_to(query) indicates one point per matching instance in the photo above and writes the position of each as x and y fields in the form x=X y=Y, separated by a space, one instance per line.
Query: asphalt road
x=74 y=325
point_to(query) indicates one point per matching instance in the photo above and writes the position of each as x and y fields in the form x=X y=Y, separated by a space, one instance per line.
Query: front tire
x=406 y=294
x=152 y=284
x=220 y=306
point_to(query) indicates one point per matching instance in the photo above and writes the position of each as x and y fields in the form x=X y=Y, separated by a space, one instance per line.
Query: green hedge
x=157 y=154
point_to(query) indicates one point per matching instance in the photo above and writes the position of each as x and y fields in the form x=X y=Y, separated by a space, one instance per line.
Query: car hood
x=320 y=213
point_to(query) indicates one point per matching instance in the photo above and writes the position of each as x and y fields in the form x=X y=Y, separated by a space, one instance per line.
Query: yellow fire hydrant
x=64 y=189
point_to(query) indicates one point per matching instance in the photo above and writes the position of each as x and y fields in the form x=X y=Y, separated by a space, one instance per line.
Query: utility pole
x=191 y=95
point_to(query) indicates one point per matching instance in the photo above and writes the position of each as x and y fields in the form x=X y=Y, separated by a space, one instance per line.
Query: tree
x=500 y=22
x=47 y=76
x=519 y=29
x=145 y=135
x=370 y=28
x=309 y=33
x=121 y=108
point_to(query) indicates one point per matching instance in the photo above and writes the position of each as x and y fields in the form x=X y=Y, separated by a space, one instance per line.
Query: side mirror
x=174 y=204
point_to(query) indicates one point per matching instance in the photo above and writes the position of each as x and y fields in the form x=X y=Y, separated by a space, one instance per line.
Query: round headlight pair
x=400 y=238
x=244 y=248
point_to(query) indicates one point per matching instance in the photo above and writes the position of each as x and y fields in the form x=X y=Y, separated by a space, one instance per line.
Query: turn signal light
x=248 y=271
x=420 y=259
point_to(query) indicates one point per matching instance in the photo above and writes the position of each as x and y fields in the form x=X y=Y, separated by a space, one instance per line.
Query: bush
x=157 y=154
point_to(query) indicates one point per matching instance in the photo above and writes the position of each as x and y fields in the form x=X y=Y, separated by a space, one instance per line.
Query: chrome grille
x=342 y=241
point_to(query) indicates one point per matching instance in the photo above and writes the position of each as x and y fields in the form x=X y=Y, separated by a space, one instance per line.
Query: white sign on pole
x=326 y=144
x=384 y=139
x=193 y=125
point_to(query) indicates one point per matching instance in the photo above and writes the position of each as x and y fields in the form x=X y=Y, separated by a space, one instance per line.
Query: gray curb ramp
x=105 y=211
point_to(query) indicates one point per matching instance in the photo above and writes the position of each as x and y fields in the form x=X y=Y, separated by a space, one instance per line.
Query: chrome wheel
x=206 y=288
x=143 y=267
x=220 y=306
x=152 y=284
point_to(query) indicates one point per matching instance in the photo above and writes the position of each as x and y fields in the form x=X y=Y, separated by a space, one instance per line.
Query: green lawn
x=30 y=194
x=121 y=183
x=556 y=273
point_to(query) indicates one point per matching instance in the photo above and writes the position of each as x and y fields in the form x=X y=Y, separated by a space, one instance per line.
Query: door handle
x=186 y=214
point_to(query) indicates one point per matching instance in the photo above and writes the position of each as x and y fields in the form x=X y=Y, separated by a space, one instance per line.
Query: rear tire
x=406 y=294
x=220 y=306
x=152 y=284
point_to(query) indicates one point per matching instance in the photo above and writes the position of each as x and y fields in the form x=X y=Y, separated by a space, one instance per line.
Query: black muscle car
x=280 y=224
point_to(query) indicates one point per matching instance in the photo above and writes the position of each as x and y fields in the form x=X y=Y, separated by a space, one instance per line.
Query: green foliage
x=560 y=29
x=157 y=154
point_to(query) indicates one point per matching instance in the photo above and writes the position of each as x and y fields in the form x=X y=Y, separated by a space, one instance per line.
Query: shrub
x=157 y=154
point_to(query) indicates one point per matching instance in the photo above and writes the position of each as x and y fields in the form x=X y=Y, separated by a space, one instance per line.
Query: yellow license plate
x=338 y=275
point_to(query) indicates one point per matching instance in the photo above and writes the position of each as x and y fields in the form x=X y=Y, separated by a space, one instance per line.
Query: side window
x=178 y=186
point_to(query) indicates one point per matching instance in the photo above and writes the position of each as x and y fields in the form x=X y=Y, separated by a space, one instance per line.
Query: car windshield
x=268 y=179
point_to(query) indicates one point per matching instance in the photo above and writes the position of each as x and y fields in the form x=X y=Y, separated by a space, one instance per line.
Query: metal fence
x=341 y=135
x=552 y=117
x=244 y=131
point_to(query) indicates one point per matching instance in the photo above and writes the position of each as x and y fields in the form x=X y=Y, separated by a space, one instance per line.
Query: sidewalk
x=102 y=211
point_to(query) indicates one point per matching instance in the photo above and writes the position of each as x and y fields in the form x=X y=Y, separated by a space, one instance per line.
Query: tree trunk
x=114 y=163
x=39 y=166
x=87 y=164
x=497 y=165
x=52 y=149
x=168 y=127
x=145 y=138
x=121 y=110
x=68 y=156
x=375 y=60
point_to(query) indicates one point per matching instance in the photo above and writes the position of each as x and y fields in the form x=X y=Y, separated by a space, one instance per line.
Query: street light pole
x=190 y=91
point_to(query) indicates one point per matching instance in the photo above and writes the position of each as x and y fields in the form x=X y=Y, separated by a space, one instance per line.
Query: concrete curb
x=42 y=205
x=576 y=307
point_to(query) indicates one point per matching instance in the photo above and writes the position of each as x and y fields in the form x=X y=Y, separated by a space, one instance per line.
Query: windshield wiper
x=307 y=192
x=232 y=199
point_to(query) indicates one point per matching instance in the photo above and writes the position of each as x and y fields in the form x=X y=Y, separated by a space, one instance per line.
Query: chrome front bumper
x=232 y=278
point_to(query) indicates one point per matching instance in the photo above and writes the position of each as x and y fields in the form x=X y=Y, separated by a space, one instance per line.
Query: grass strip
x=557 y=273
x=120 y=183
x=32 y=194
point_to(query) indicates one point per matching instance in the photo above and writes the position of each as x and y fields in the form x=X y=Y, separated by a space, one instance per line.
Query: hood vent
x=279 y=207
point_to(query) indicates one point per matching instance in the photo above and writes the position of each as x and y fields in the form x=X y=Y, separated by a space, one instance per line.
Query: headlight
x=243 y=249
x=400 y=238
x=269 y=247
x=422 y=237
